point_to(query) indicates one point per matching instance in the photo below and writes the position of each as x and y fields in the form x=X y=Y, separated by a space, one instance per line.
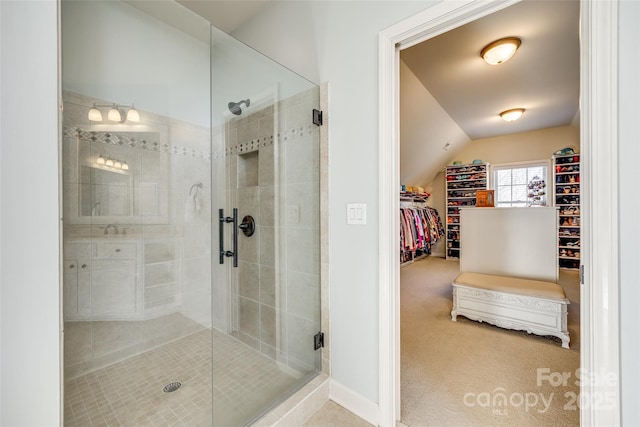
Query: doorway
x=598 y=44
x=448 y=93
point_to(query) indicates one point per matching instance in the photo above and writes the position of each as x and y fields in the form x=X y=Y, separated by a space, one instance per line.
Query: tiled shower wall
x=174 y=258
x=272 y=162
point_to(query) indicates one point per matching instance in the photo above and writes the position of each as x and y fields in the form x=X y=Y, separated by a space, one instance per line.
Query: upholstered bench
x=535 y=306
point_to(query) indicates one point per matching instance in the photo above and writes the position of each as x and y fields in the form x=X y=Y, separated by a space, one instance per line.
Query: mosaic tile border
x=266 y=141
x=114 y=138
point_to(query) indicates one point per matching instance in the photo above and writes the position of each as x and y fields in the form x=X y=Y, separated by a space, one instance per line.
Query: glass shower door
x=137 y=215
x=166 y=122
x=267 y=309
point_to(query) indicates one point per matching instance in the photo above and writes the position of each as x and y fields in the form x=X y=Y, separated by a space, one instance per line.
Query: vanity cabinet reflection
x=101 y=280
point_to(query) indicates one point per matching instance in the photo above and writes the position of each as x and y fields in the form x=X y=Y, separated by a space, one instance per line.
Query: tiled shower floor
x=129 y=392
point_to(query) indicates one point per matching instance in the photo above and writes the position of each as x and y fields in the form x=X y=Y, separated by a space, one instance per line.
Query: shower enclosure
x=191 y=283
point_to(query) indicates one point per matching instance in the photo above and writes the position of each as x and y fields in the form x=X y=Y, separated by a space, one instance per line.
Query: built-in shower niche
x=248 y=171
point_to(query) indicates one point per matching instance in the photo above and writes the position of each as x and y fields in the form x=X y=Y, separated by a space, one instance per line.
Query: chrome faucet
x=115 y=229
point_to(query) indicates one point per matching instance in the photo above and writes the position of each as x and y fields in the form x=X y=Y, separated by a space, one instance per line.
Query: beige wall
x=520 y=147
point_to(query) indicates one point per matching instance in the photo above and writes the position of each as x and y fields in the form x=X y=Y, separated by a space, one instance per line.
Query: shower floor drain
x=172 y=386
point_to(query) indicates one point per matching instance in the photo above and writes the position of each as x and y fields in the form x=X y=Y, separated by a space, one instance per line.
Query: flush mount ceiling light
x=116 y=113
x=512 y=115
x=500 y=51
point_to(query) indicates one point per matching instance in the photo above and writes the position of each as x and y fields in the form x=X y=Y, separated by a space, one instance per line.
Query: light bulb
x=114 y=114
x=117 y=164
x=100 y=160
x=94 y=114
x=133 y=115
x=125 y=166
x=109 y=163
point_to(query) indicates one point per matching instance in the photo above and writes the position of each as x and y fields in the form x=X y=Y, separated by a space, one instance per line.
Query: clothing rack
x=420 y=228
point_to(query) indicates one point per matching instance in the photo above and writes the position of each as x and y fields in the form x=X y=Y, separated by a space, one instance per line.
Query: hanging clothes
x=420 y=228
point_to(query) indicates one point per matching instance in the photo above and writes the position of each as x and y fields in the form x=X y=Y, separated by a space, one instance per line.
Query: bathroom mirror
x=105 y=192
x=118 y=177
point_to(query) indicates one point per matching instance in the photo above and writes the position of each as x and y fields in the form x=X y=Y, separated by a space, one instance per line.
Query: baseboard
x=354 y=402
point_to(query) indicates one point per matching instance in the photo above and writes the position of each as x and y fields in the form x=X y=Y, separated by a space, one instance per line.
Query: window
x=521 y=185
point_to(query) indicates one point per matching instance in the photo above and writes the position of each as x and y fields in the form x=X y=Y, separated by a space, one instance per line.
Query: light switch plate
x=357 y=213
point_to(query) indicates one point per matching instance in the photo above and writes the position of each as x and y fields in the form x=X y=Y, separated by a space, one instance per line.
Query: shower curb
x=299 y=407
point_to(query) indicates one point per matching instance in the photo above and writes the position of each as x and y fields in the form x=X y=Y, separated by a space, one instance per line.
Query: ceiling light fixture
x=116 y=113
x=512 y=115
x=500 y=51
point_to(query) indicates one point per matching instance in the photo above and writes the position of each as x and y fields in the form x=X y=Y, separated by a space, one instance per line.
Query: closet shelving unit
x=462 y=182
x=567 y=199
x=413 y=197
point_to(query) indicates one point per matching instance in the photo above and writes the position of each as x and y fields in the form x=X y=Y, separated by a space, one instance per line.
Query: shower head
x=234 y=107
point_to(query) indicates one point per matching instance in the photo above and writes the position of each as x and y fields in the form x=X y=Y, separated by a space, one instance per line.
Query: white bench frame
x=536 y=315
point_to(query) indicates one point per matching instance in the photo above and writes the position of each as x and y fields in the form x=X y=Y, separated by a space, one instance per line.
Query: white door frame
x=599 y=351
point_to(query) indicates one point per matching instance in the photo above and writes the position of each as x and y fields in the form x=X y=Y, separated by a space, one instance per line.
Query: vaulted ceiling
x=458 y=97
x=452 y=96
x=543 y=76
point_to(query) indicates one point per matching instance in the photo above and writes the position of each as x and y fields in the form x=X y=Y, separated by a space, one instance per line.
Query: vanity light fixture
x=512 y=115
x=133 y=115
x=115 y=114
x=94 y=114
x=500 y=51
x=111 y=163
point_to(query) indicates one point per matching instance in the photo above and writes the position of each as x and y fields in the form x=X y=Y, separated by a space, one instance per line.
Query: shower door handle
x=221 y=221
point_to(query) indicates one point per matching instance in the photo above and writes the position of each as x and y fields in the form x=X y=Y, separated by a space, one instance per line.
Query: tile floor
x=333 y=415
x=92 y=345
x=130 y=392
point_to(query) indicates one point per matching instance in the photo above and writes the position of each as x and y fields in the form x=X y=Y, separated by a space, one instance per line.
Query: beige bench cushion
x=512 y=285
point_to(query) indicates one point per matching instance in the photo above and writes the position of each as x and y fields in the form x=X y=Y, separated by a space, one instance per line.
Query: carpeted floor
x=467 y=373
